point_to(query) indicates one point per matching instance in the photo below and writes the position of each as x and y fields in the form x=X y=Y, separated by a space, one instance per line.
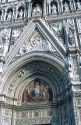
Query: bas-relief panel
x=33 y=121
x=4 y=41
x=8 y=38
x=7 y=114
x=57 y=29
x=35 y=113
x=36 y=43
x=64 y=30
x=36 y=116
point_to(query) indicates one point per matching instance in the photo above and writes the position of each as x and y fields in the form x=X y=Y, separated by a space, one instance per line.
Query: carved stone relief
x=57 y=30
x=33 y=116
x=35 y=43
x=70 y=32
x=4 y=45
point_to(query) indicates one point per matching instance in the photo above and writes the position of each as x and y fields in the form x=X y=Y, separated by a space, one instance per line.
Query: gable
x=36 y=37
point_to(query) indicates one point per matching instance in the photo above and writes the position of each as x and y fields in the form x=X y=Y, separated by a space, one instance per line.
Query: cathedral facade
x=40 y=61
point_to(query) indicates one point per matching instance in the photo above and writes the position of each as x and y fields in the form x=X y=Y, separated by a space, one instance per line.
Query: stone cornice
x=62 y=16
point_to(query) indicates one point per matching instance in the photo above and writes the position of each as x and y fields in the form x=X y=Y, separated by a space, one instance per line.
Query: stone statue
x=21 y=13
x=66 y=7
x=37 y=10
x=78 y=5
x=9 y=15
x=53 y=9
x=5 y=40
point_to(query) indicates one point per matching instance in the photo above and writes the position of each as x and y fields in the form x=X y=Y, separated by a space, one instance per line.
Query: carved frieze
x=34 y=116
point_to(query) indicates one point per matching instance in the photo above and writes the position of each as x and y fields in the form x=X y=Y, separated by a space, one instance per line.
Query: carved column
x=58 y=7
x=71 y=5
x=13 y=15
x=74 y=73
x=29 y=9
x=5 y=14
x=44 y=7
x=61 y=6
x=25 y=9
x=49 y=8
x=2 y=16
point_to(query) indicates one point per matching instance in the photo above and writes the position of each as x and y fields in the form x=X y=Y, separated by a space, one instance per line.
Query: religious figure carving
x=53 y=9
x=20 y=13
x=5 y=42
x=78 y=5
x=70 y=32
x=66 y=7
x=9 y=15
x=37 y=10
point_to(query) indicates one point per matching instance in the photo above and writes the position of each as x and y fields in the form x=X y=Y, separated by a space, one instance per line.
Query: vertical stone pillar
x=74 y=73
x=29 y=9
x=44 y=7
x=5 y=14
x=49 y=8
x=61 y=6
x=25 y=9
x=58 y=7
x=2 y=19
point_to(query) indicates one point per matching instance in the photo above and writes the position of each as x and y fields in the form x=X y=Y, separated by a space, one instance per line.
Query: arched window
x=66 y=7
x=20 y=12
x=53 y=7
x=9 y=14
x=37 y=7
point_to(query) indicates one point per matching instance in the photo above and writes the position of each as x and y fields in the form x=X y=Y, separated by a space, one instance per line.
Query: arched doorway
x=37 y=72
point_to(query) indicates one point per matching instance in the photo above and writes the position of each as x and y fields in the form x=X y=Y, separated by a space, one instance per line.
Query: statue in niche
x=37 y=10
x=20 y=13
x=66 y=7
x=70 y=32
x=5 y=42
x=53 y=9
x=9 y=15
x=78 y=5
x=71 y=37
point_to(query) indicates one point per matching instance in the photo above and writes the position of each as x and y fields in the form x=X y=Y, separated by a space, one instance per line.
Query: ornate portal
x=40 y=62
